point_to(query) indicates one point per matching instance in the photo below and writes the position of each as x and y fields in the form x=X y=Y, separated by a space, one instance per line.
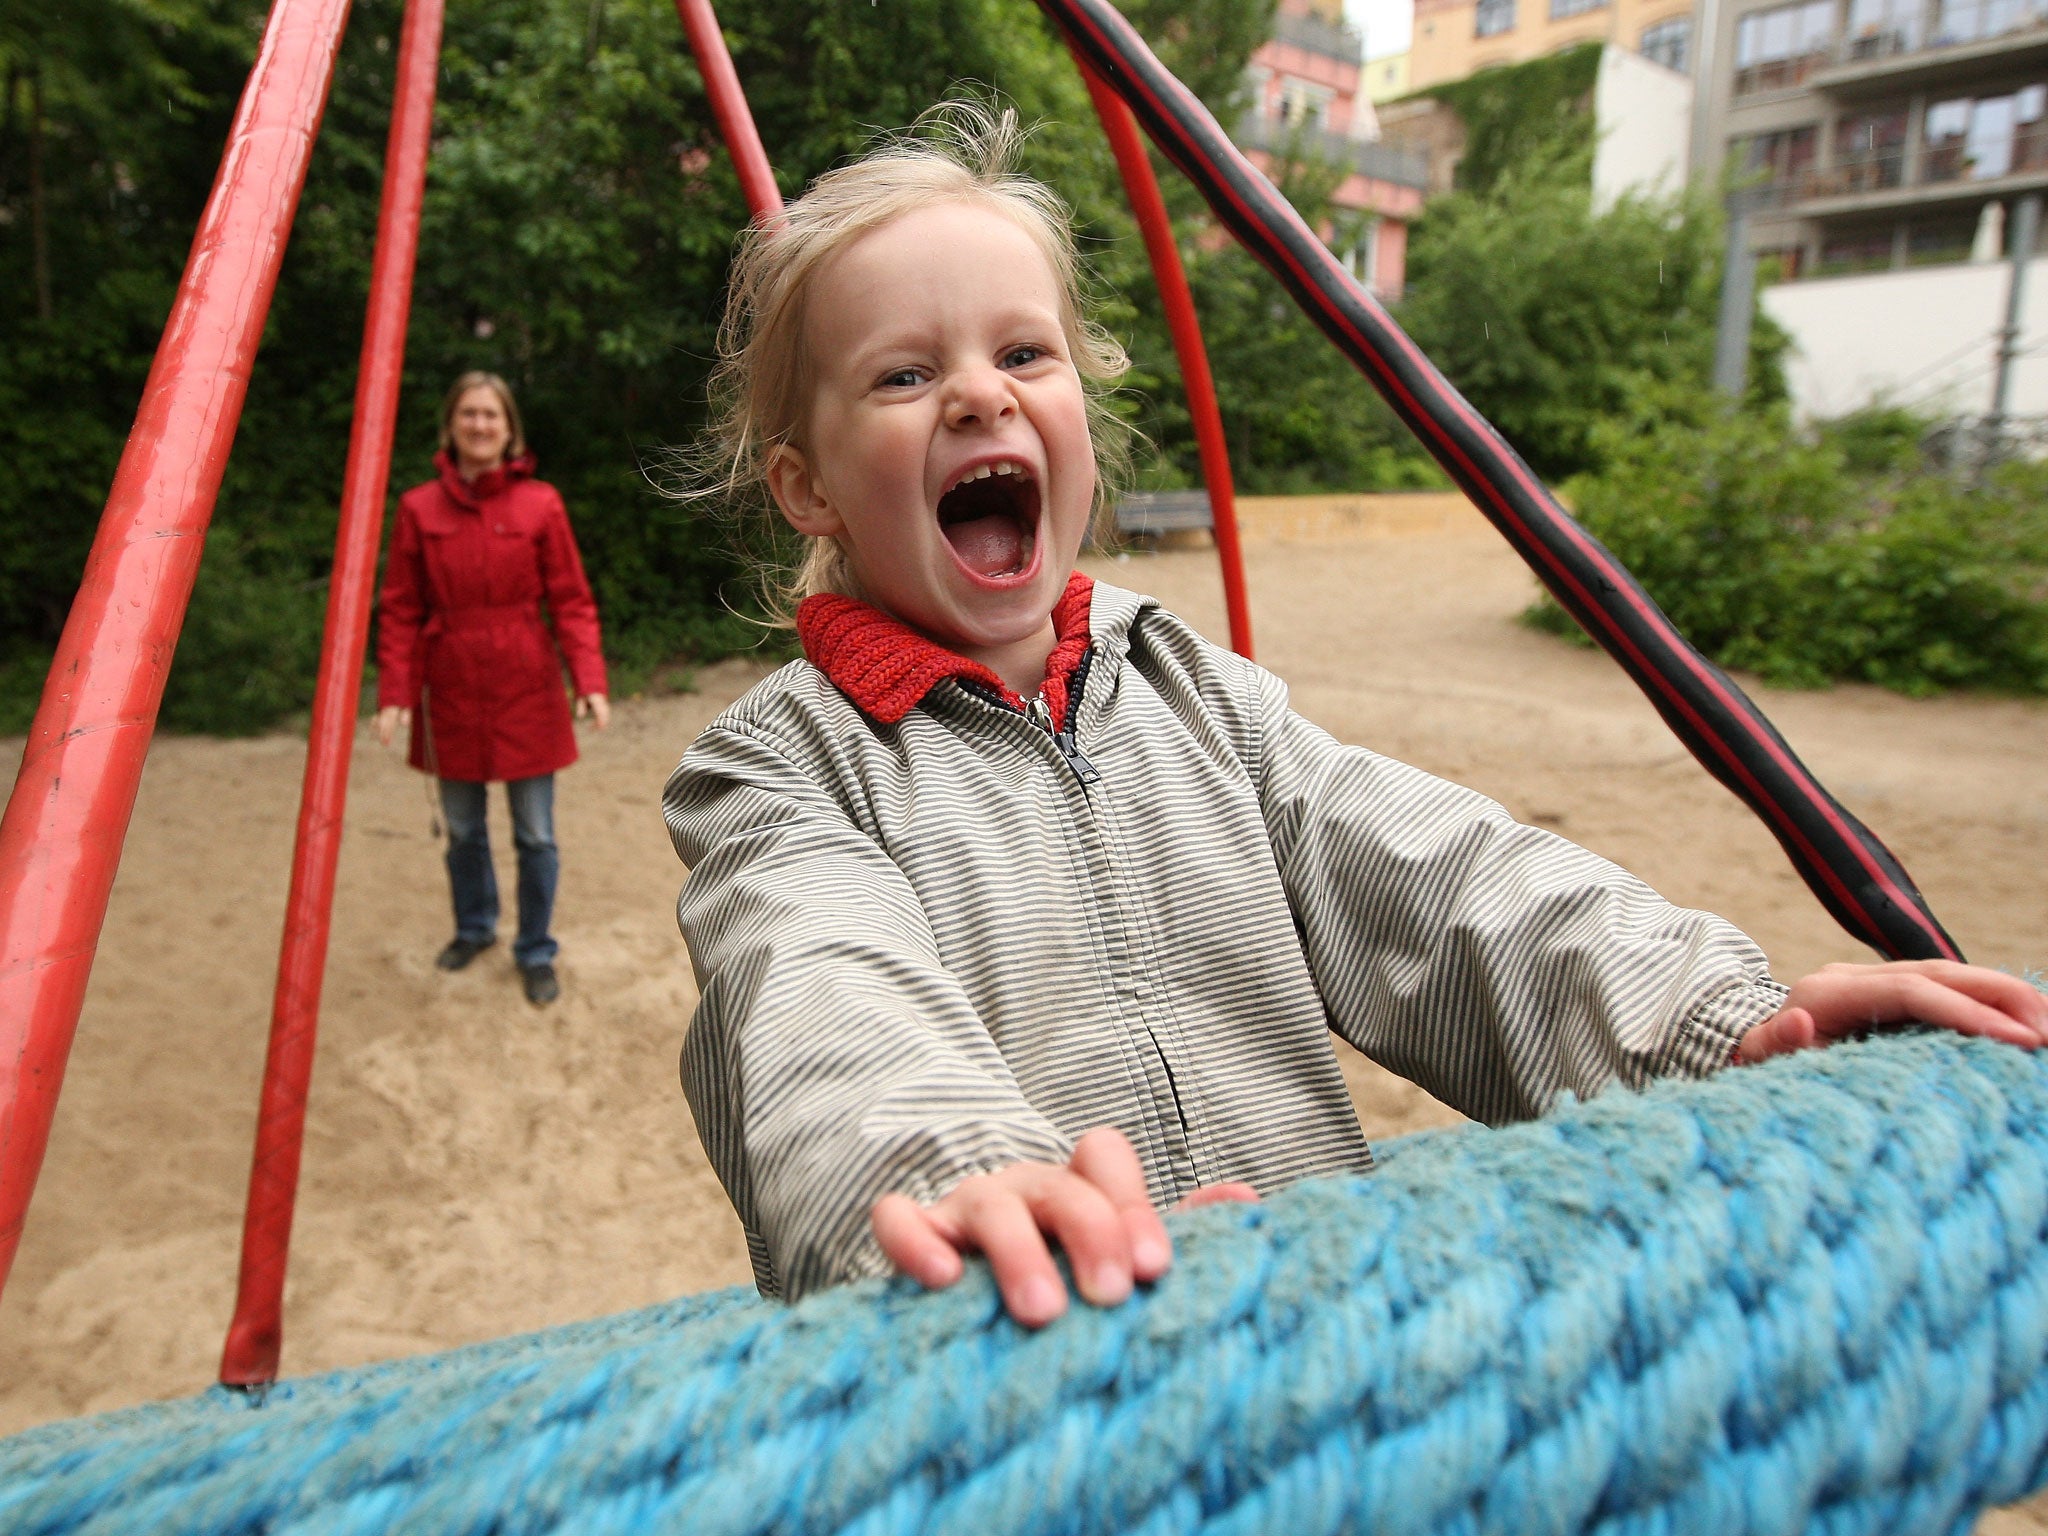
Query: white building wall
x=1642 y=113
x=1925 y=338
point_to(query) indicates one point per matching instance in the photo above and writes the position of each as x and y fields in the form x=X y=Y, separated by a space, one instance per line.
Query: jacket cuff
x=394 y=693
x=1707 y=1040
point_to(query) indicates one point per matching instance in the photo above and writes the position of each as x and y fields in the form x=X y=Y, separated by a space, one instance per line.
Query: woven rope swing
x=1809 y=1296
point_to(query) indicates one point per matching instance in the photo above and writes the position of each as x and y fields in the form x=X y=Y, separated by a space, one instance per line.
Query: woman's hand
x=1839 y=1000
x=392 y=719
x=597 y=707
x=1095 y=1206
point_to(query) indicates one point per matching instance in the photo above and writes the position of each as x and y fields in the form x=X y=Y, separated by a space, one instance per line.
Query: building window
x=1775 y=49
x=1870 y=151
x=1304 y=106
x=1561 y=9
x=1969 y=21
x=1361 y=256
x=1493 y=17
x=1987 y=137
x=1669 y=43
x=1880 y=28
x=1777 y=166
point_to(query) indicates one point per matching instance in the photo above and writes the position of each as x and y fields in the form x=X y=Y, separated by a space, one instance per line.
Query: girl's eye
x=902 y=378
x=1017 y=357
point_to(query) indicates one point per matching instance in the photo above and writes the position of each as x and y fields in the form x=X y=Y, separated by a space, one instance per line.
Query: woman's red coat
x=479 y=574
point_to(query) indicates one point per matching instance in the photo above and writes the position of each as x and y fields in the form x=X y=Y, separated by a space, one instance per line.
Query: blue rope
x=1810 y=1296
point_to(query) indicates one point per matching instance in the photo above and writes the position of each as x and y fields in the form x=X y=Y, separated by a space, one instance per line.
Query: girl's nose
x=979 y=397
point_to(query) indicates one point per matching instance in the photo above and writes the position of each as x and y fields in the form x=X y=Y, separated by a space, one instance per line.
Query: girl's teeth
x=1006 y=467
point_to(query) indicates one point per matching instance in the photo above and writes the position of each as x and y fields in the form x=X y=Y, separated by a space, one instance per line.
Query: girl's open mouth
x=991 y=519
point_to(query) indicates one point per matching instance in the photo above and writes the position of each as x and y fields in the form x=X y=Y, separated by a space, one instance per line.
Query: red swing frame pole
x=729 y=106
x=1142 y=188
x=250 y=1355
x=60 y=840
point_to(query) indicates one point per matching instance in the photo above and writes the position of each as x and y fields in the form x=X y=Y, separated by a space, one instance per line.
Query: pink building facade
x=1307 y=93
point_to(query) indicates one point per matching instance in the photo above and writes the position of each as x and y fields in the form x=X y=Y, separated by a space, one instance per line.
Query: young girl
x=1020 y=911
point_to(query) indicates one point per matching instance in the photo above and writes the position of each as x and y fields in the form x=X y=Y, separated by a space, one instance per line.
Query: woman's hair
x=477 y=378
x=762 y=386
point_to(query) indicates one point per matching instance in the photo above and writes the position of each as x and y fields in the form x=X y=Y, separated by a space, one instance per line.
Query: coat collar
x=474 y=493
x=887 y=668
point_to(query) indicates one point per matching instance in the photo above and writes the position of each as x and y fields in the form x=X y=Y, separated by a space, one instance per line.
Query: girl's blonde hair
x=762 y=385
x=477 y=378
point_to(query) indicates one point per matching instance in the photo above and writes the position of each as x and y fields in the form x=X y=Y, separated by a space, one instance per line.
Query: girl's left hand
x=597 y=707
x=1839 y=1000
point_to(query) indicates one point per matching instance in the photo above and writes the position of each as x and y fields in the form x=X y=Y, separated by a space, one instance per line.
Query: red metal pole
x=1142 y=187
x=61 y=837
x=255 y=1337
x=729 y=105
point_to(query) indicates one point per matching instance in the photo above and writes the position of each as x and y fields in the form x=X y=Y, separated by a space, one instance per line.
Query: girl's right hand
x=392 y=719
x=1095 y=1206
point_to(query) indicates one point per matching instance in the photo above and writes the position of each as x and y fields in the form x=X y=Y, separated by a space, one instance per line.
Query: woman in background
x=484 y=600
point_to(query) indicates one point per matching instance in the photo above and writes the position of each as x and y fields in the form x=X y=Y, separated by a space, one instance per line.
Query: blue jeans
x=475 y=884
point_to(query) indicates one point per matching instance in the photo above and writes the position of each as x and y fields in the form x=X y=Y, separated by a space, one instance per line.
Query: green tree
x=1297 y=415
x=110 y=128
x=579 y=218
x=1553 y=319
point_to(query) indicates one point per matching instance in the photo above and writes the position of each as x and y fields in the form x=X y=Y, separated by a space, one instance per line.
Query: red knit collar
x=887 y=668
x=473 y=493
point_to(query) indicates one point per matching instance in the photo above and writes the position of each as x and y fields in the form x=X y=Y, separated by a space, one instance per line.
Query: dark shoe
x=541 y=986
x=460 y=952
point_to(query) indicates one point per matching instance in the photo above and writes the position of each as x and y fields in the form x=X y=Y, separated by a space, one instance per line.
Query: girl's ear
x=798 y=493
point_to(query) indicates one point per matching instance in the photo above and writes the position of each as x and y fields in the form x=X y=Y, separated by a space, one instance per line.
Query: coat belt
x=484 y=616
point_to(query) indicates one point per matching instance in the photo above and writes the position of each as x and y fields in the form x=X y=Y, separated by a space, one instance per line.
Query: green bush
x=1831 y=556
x=578 y=222
x=250 y=643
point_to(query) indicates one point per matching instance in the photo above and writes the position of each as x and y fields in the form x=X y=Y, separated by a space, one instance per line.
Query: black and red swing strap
x=1854 y=875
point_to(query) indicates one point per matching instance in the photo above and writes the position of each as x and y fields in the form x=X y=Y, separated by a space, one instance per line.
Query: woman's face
x=480 y=429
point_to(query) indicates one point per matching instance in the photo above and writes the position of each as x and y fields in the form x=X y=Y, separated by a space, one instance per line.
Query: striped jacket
x=932 y=946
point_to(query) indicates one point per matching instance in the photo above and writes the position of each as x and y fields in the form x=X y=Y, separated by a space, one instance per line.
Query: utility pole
x=1738 y=302
x=1704 y=60
x=2025 y=221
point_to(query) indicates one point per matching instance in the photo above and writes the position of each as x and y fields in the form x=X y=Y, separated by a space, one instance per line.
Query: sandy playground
x=476 y=1167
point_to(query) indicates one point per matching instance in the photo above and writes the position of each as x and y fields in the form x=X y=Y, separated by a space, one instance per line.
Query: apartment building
x=1308 y=94
x=1456 y=38
x=1879 y=135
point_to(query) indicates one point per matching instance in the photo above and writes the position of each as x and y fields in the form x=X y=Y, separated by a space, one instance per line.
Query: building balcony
x=1948 y=43
x=1877 y=183
x=1314 y=35
x=1363 y=157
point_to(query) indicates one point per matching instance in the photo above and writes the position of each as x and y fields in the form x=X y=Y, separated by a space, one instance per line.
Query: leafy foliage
x=1534 y=118
x=579 y=216
x=1297 y=415
x=1812 y=558
x=110 y=128
x=1553 y=319
x=1550 y=316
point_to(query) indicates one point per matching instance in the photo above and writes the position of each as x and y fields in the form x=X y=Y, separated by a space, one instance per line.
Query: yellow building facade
x=1456 y=38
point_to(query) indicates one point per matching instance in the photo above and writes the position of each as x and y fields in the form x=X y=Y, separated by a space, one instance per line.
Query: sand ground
x=475 y=1167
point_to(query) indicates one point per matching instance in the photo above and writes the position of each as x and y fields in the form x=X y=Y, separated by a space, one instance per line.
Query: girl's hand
x=597 y=707
x=1095 y=1207
x=392 y=719
x=1839 y=1000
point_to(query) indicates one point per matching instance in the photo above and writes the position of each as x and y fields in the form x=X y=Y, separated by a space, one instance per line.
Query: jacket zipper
x=1039 y=713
